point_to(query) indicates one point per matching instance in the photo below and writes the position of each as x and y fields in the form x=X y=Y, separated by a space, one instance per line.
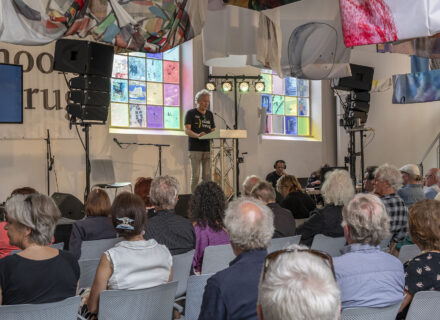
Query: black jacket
x=283 y=221
x=299 y=203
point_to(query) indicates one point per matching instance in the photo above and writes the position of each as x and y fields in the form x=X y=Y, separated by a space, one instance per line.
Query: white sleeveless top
x=138 y=264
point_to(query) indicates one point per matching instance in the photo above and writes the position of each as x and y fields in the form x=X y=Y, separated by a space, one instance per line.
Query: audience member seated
x=422 y=272
x=207 y=212
x=279 y=166
x=411 y=191
x=232 y=293
x=337 y=191
x=387 y=180
x=369 y=179
x=284 y=222
x=249 y=183
x=167 y=228
x=295 y=200
x=367 y=276
x=5 y=247
x=133 y=263
x=297 y=284
x=97 y=225
x=39 y=273
x=431 y=183
x=142 y=189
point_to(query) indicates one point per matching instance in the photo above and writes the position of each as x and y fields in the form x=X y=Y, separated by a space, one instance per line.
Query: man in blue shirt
x=367 y=276
x=412 y=190
x=232 y=293
x=431 y=183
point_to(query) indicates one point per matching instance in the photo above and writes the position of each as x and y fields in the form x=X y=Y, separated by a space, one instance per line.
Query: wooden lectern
x=224 y=158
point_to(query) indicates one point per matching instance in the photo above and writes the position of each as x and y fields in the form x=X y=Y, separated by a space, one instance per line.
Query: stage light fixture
x=243 y=86
x=226 y=86
x=259 y=86
x=211 y=85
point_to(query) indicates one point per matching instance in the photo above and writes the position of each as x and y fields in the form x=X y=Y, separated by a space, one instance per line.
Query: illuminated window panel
x=137 y=92
x=136 y=68
x=120 y=67
x=303 y=126
x=171 y=93
x=154 y=55
x=303 y=88
x=119 y=114
x=266 y=102
x=303 y=107
x=277 y=85
x=137 y=54
x=119 y=90
x=290 y=85
x=278 y=104
x=171 y=72
x=291 y=125
x=138 y=116
x=277 y=125
x=266 y=71
x=267 y=79
x=155 y=117
x=269 y=124
x=171 y=117
x=154 y=93
x=154 y=70
x=172 y=54
x=290 y=105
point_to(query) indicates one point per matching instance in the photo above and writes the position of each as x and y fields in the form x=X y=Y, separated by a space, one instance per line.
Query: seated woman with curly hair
x=208 y=205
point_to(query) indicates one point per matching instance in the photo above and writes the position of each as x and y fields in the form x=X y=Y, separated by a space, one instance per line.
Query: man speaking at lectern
x=198 y=122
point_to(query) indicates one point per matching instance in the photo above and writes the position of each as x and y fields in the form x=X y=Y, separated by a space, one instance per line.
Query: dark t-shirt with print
x=422 y=273
x=199 y=123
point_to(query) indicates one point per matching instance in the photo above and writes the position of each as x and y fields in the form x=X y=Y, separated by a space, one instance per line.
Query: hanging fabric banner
x=378 y=21
x=140 y=25
x=416 y=87
x=427 y=47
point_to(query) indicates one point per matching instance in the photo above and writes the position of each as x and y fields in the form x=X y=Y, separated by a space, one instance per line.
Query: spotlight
x=210 y=85
x=244 y=86
x=259 y=86
x=226 y=86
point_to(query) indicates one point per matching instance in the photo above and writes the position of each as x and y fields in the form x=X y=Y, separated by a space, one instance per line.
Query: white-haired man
x=198 y=122
x=412 y=190
x=249 y=183
x=387 y=182
x=297 y=284
x=232 y=293
x=431 y=182
x=367 y=276
x=166 y=227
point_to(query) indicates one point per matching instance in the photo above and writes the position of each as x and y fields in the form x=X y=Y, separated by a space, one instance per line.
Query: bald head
x=249 y=224
x=249 y=183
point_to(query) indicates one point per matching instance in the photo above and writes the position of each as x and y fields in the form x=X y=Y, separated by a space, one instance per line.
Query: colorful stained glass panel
x=136 y=67
x=277 y=125
x=291 y=125
x=171 y=72
x=155 y=117
x=119 y=90
x=303 y=88
x=277 y=104
x=172 y=54
x=290 y=84
x=172 y=117
x=303 y=107
x=267 y=79
x=290 y=105
x=137 y=92
x=154 y=70
x=120 y=67
x=303 y=126
x=138 y=116
x=154 y=55
x=269 y=124
x=154 y=93
x=277 y=85
x=137 y=54
x=171 y=93
x=266 y=102
x=119 y=114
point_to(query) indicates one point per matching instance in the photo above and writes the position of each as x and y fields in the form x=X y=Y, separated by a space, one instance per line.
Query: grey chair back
x=217 y=258
x=424 y=306
x=94 y=249
x=281 y=243
x=386 y=313
x=154 y=303
x=181 y=269
x=194 y=295
x=385 y=243
x=328 y=244
x=407 y=252
x=102 y=171
x=59 y=246
x=87 y=272
x=61 y=310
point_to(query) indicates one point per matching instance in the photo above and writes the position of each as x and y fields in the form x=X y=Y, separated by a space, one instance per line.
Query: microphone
x=117 y=142
x=227 y=127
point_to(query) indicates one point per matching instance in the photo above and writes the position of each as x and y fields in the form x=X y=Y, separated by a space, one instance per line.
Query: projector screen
x=11 y=93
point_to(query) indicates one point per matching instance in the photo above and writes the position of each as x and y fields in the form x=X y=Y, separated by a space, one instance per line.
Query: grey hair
x=201 y=93
x=390 y=174
x=265 y=191
x=164 y=191
x=338 y=188
x=367 y=219
x=37 y=212
x=249 y=223
x=249 y=183
x=299 y=285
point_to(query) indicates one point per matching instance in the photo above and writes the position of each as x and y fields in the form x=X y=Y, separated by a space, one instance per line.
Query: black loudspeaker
x=70 y=206
x=86 y=112
x=83 y=57
x=182 y=205
x=90 y=97
x=86 y=82
x=361 y=79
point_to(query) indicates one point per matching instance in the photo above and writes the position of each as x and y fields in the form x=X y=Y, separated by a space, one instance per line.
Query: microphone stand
x=159 y=148
x=50 y=160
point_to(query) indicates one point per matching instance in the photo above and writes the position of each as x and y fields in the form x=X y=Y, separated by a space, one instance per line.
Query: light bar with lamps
x=259 y=86
x=226 y=86
x=243 y=86
x=211 y=85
